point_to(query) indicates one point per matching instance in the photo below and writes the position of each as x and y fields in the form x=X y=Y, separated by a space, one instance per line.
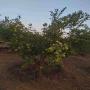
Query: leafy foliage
x=48 y=49
x=56 y=52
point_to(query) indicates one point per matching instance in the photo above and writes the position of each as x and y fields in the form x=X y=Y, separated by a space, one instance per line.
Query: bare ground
x=76 y=75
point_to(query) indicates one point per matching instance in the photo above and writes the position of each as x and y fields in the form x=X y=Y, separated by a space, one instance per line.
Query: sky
x=37 y=11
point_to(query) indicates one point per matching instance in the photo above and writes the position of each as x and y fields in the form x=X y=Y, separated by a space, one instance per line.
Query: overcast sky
x=37 y=11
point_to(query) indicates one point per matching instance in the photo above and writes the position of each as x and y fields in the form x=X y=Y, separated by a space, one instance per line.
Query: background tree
x=79 y=40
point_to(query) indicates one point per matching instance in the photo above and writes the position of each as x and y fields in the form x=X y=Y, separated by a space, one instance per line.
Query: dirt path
x=68 y=83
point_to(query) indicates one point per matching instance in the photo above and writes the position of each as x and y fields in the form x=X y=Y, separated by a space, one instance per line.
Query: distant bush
x=80 y=41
